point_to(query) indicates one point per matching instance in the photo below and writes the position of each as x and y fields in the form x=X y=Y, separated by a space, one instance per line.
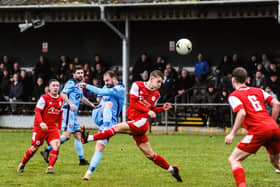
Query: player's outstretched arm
x=237 y=124
x=87 y=102
x=275 y=108
x=165 y=107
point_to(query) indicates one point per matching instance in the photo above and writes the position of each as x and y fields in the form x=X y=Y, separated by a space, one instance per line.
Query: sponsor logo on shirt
x=53 y=110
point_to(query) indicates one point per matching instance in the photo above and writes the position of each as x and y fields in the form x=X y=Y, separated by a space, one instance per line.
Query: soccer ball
x=184 y=46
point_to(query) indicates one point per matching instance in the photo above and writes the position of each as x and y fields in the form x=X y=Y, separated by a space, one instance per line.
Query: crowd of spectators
x=17 y=84
x=206 y=84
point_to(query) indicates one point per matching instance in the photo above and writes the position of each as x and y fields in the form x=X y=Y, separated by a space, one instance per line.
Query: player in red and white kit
x=47 y=122
x=249 y=103
x=143 y=97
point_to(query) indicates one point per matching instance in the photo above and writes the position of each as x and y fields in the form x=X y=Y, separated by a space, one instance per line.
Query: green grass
x=201 y=158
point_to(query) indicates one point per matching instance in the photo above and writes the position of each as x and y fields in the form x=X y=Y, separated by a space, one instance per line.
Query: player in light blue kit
x=72 y=95
x=106 y=113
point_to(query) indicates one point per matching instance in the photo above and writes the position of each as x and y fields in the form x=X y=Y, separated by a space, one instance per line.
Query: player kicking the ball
x=143 y=97
x=106 y=114
x=249 y=103
x=47 y=122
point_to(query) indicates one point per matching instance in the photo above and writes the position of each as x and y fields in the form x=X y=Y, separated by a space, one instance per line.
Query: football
x=184 y=46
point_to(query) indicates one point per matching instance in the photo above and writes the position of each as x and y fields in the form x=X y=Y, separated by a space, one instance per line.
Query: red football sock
x=160 y=161
x=239 y=177
x=52 y=157
x=28 y=154
x=105 y=134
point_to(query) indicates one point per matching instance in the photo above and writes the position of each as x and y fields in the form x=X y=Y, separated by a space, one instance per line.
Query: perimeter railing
x=181 y=115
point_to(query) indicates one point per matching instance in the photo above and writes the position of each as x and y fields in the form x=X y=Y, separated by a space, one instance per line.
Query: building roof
x=116 y=2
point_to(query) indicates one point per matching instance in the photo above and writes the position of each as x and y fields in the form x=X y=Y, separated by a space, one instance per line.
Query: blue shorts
x=70 y=121
x=97 y=117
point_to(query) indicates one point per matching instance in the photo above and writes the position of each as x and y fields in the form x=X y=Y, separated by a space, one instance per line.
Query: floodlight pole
x=125 y=53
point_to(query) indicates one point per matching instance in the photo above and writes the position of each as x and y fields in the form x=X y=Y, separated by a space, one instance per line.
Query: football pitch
x=201 y=158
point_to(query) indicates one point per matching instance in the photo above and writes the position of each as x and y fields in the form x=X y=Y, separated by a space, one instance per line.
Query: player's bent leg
x=146 y=148
x=27 y=156
x=96 y=158
x=106 y=134
x=107 y=113
x=235 y=161
x=79 y=149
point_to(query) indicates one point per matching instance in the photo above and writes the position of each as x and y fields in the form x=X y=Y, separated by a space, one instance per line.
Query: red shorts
x=269 y=139
x=38 y=136
x=138 y=130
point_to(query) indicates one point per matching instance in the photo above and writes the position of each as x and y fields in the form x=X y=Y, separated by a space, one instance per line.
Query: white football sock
x=170 y=169
x=90 y=138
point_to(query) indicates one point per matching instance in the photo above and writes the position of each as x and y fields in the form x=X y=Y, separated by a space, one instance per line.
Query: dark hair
x=53 y=80
x=156 y=73
x=76 y=68
x=240 y=74
x=111 y=73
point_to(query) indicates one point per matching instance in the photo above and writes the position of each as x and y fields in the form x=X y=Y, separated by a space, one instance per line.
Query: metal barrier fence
x=196 y=114
x=181 y=115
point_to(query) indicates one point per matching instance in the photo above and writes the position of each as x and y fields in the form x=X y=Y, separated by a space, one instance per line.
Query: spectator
x=87 y=73
x=42 y=69
x=251 y=66
x=98 y=73
x=224 y=112
x=69 y=73
x=27 y=85
x=225 y=67
x=265 y=62
x=167 y=89
x=226 y=83
x=173 y=73
x=2 y=67
x=16 y=68
x=62 y=65
x=145 y=76
x=201 y=68
x=236 y=62
x=184 y=83
x=38 y=90
x=8 y=63
x=270 y=92
x=212 y=96
x=273 y=69
x=141 y=65
x=261 y=68
x=5 y=85
x=77 y=62
x=98 y=60
x=16 y=91
x=274 y=83
x=223 y=97
x=258 y=80
x=160 y=64
x=249 y=81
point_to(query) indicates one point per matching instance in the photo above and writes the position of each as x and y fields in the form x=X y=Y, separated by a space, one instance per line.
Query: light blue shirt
x=116 y=95
x=73 y=92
